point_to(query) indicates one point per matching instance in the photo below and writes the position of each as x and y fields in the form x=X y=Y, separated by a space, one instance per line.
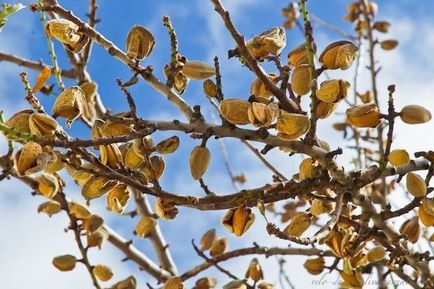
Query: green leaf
x=8 y=10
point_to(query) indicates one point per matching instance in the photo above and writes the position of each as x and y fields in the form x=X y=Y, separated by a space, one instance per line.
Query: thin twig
x=255 y=250
x=32 y=64
x=264 y=161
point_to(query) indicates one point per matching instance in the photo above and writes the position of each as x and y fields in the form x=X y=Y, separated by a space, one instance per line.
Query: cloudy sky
x=28 y=241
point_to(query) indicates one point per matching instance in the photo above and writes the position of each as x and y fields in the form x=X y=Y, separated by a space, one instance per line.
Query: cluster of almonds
x=417 y=187
x=356 y=16
x=196 y=70
x=136 y=156
x=341 y=242
x=216 y=246
x=369 y=116
x=261 y=111
x=96 y=235
x=291 y=14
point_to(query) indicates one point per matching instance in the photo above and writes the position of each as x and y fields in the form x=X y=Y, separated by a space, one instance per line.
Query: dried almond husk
x=333 y=241
x=70 y=104
x=424 y=217
x=41 y=162
x=140 y=42
x=93 y=223
x=399 y=158
x=156 y=170
x=111 y=155
x=207 y=240
x=145 y=226
x=180 y=82
x=65 y=262
x=117 y=198
x=357 y=261
x=272 y=41
x=210 y=88
x=333 y=90
x=26 y=158
x=165 y=209
x=291 y=13
x=19 y=122
x=315 y=266
x=66 y=32
x=50 y=208
x=298 y=224
x=90 y=89
x=102 y=272
x=382 y=26
x=79 y=211
x=376 y=254
x=96 y=129
x=260 y=91
x=143 y=146
x=199 y=161
x=254 y=271
x=364 y=115
x=265 y=285
x=298 y=55
x=206 y=283
x=339 y=55
x=415 y=114
x=235 y=284
x=43 y=76
x=198 y=70
x=48 y=185
x=416 y=185
x=97 y=238
x=389 y=44
x=428 y=205
x=55 y=163
x=219 y=246
x=411 y=229
x=308 y=169
x=291 y=126
x=238 y=221
x=128 y=283
x=361 y=26
x=353 y=12
x=173 y=283
x=325 y=109
x=111 y=128
x=301 y=78
x=168 y=145
x=235 y=110
x=352 y=281
x=367 y=96
x=319 y=207
x=96 y=187
x=260 y=114
x=132 y=160
x=81 y=177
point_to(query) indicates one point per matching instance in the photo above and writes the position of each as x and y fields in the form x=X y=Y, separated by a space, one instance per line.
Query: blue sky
x=202 y=36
